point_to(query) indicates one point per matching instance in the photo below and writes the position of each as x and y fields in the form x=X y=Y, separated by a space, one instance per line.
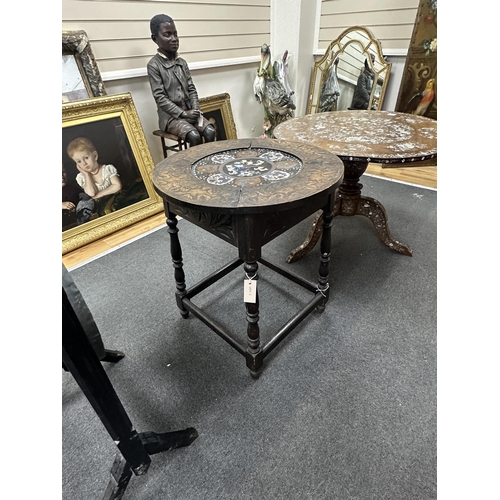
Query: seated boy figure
x=173 y=88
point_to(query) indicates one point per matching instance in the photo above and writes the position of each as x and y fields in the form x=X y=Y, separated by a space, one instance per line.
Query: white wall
x=237 y=81
x=210 y=30
x=294 y=27
x=391 y=96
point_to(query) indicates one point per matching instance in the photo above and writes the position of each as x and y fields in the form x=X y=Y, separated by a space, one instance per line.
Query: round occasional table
x=247 y=192
x=358 y=138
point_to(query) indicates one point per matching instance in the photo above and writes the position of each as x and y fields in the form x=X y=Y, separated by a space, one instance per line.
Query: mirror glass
x=74 y=87
x=81 y=78
x=352 y=74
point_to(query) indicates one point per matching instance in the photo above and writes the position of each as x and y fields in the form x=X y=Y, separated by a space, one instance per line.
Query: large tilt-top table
x=247 y=192
x=358 y=138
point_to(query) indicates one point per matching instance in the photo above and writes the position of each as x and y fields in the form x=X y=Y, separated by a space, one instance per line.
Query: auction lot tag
x=250 y=291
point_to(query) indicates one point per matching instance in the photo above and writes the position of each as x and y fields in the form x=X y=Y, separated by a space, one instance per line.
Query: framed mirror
x=353 y=74
x=81 y=78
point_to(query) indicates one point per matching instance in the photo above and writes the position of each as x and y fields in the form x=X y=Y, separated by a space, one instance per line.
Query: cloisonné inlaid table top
x=357 y=138
x=247 y=192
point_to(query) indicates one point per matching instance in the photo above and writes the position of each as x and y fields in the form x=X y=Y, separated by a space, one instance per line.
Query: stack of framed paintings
x=105 y=136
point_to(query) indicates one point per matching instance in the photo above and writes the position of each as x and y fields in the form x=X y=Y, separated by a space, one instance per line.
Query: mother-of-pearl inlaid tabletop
x=247 y=173
x=379 y=136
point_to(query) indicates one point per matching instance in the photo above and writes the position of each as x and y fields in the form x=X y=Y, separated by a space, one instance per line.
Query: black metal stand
x=121 y=470
x=134 y=449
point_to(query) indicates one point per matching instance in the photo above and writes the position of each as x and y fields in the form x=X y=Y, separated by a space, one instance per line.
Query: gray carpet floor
x=345 y=407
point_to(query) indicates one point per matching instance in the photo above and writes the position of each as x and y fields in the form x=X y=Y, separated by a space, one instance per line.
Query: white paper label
x=250 y=291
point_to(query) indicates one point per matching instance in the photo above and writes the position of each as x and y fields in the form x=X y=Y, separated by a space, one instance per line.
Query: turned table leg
x=324 y=265
x=254 y=354
x=176 y=253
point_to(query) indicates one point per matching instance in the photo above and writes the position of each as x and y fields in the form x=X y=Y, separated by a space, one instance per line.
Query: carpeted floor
x=346 y=405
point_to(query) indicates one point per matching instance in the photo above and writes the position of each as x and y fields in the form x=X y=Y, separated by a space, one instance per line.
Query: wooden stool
x=181 y=143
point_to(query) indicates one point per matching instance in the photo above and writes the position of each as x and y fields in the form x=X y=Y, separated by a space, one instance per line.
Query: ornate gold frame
x=220 y=103
x=76 y=43
x=362 y=41
x=92 y=111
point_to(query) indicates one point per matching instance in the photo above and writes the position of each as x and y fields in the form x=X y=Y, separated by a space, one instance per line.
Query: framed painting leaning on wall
x=217 y=110
x=106 y=170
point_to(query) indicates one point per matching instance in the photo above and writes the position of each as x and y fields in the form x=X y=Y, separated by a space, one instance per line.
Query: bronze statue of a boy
x=173 y=88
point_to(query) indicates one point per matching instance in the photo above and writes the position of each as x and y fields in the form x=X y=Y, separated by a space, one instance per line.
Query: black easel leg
x=135 y=449
x=112 y=356
x=121 y=472
x=109 y=356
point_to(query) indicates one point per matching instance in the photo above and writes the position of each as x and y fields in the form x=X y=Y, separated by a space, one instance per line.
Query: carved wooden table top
x=246 y=174
x=378 y=136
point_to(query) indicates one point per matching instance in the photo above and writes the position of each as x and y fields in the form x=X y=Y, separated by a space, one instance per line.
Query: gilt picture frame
x=217 y=110
x=112 y=126
x=81 y=78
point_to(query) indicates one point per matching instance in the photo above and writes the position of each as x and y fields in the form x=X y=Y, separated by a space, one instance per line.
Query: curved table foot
x=311 y=239
x=373 y=210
